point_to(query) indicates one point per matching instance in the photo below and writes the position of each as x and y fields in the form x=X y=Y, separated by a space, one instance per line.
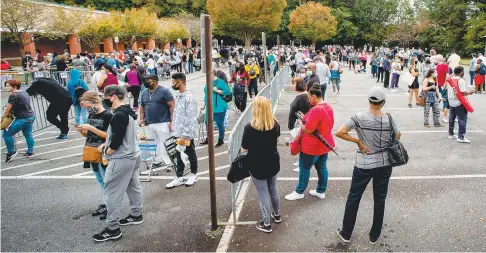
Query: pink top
x=132 y=77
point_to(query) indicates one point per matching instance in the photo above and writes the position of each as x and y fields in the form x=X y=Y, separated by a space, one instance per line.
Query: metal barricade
x=270 y=91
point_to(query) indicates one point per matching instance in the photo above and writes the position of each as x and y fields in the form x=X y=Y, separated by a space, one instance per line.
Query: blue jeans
x=80 y=111
x=24 y=125
x=191 y=67
x=305 y=164
x=219 y=118
x=461 y=113
x=99 y=174
x=471 y=74
x=323 y=89
x=151 y=71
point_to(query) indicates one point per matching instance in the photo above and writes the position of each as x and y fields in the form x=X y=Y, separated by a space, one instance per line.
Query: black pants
x=381 y=70
x=240 y=96
x=135 y=90
x=364 y=63
x=191 y=153
x=352 y=62
x=179 y=67
x=253 y=86
x=361 y=178
x=60 y=109
x=387 y=79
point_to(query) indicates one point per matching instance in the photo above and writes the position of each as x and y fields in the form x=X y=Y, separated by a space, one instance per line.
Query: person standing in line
x=121 y=176
x=478 y=77
x=442 y=71
x=185 y=129
x=107 y=78
x=424 y=69
x=335 y=75
x=472 y=67
x=59 y=103
x=414 y=87
x=432 y=98
x=133 y=81
x=214 y=56
x=364 y=59
x=220 y=107
x=386 y=69
x=151 y=65
x=453 y=60
x=156 y=115
x=241 y=78
x=300 y=104
x=374 y=66
x=313 y=152
x=260 y=138
x=381 y=70
x=322 y=70
x=396 y=72
x=457 y=109
x=311 y=76
x=95 y=133
x=76 y=86
x=372 y=162
x=253 y=71
x=18 y=104
x=190 y=62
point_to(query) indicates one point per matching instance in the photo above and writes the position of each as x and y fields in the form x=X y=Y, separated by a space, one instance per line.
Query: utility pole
x=210 y=129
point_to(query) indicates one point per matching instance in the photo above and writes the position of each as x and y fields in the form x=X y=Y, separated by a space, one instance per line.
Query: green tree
x=313 y=21
x=476 y=27
x=95 y=30
x=246 y=20
x=134 y=24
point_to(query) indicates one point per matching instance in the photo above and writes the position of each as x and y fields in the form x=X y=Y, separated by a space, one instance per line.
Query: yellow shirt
x=248 y=68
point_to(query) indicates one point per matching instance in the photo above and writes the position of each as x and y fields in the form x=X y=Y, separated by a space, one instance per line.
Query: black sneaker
x=346 y=240
x=261 y=226
x=29 y=154
x=100 y=211
x=11 y=156
x=220 y=143
x=107 y=235
x=62 y=137
x=276 y=218
x=131 y=220
x=373 y=241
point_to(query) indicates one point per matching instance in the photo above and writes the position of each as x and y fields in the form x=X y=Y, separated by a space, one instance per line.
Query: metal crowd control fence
x=270 y=91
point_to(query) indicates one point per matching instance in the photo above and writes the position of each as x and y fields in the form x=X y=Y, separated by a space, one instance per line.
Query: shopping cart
x=148 y=150
x=172 y=152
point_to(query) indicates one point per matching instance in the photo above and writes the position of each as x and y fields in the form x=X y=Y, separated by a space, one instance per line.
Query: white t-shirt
x=398 y=67
x=454 y=60
x=451 y=95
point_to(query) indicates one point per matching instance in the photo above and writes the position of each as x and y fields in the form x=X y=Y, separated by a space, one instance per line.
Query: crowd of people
x=111 y=126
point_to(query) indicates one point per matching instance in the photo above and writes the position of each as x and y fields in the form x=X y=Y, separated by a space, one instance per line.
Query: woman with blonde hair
x=260 y=139
x=95 y=133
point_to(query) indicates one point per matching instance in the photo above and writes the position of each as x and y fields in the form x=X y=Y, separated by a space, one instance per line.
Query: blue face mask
x=309 y=73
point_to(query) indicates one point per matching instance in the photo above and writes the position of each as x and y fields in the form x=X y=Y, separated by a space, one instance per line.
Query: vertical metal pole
x=203 y=45
x=278 y=48
x=210 y=130
x=264 y=44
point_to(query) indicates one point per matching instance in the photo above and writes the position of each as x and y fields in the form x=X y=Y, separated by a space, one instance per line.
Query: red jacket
x=442 y=71
x=244 y=78
x=320 y=118
x=5 y=66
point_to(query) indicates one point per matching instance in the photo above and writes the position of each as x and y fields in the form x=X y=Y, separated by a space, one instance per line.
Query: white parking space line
x=54 y=151
x=215 y=169
x=431 y=177
x=55 y=169
x=40 y=162
x=46 y=138
x=56 y=143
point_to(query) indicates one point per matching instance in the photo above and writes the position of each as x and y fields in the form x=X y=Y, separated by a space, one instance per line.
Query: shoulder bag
x=7 y=120
x=91 y=153
x=396 y=152
x=238 y=169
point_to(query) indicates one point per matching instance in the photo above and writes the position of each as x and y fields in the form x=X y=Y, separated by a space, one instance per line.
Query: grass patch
x=465 y=61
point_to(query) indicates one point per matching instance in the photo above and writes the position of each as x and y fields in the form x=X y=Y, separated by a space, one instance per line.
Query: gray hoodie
x=122 y=134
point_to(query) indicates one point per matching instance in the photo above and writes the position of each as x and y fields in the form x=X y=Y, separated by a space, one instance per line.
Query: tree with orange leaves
x=245 y=19
x=312 y=21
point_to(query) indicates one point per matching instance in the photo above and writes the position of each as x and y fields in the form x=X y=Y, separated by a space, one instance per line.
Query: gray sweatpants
x=121 y=176
x=265 y=189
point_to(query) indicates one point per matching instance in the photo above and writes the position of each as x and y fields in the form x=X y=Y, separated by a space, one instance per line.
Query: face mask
x=309 y=73
x=147 y=85
x=103 y=71
x=27 y=55
x=108 y=102
x=434 y=75
x=174 y=87
x=303 y=75
x=311 y=102
x=91 y=110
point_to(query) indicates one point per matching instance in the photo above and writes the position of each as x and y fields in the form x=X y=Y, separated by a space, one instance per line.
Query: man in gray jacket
x=123 y=155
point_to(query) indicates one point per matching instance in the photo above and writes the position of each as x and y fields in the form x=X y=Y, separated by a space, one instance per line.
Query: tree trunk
x=248 y=40
x=314 y=45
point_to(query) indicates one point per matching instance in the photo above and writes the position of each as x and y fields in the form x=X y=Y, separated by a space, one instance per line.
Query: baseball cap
x=152 y=76
x=377 y=94
x=115 y=90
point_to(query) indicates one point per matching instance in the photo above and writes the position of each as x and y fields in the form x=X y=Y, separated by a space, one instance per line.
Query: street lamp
x=484 y=40
x=116 y=40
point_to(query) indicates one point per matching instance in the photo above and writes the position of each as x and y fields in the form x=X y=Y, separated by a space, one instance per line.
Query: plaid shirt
x=185 y=116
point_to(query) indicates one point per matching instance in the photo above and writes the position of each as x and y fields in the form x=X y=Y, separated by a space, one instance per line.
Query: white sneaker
x=296 y=169
x=294 y=196
x=296 y=163
x=445 y=120
x=452 y=137
x=393 y=90
x=191 y=179
x=178 y=181
x=463 y=140
x=317 y=194
x=456 y=120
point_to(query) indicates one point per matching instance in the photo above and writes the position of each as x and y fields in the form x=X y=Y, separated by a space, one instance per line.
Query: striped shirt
x=374 y=132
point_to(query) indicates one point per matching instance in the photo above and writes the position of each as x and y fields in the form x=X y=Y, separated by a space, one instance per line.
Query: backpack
x=252 y=71
x=78 y=92
x=482 y=69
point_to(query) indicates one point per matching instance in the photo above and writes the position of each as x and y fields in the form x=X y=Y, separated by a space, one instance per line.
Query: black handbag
x=238 y=170
x=396 y=151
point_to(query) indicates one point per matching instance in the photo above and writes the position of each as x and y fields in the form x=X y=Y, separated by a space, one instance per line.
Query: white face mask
x=303 y=75
x=103 y=71
x=309 y=73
